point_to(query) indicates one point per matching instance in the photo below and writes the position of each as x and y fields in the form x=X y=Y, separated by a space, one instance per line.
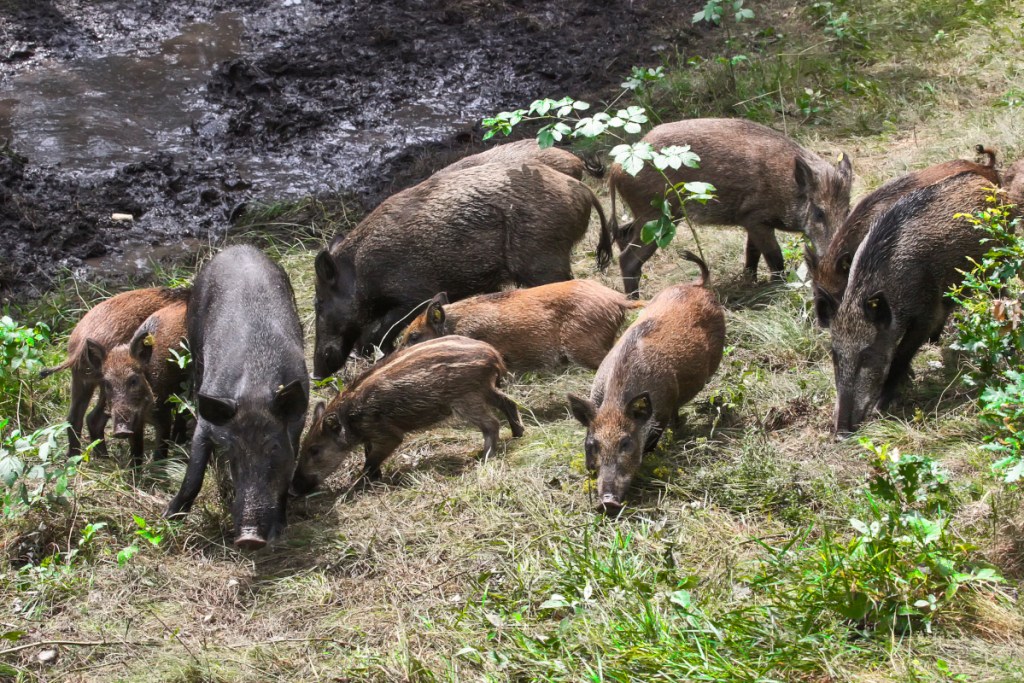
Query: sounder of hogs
x=411 y=390
x=106 y=325
x=662 y=361
x=465 y=232
x=763 y=180
x=895 y=299
x=251 y=388
x=536 y=328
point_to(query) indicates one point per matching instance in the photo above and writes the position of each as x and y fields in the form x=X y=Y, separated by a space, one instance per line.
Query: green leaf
x=556 y=601
x=545 y=137
x=126 y=554
x=681 y=598
x=632 y=157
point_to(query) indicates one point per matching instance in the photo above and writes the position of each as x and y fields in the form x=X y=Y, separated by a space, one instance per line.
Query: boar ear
x=216 y=411
x=436 y=317
x=332 y=422
x=290 y=400
x=318 y=411
x=95 y=354
x=845 y=167
x=142 y=344
x=824 y=306
x=441 y=298
x=583 y=409
x=325 y=267
x=804 y=177
x=640 y=408
x=877 y=311
x=845 y=261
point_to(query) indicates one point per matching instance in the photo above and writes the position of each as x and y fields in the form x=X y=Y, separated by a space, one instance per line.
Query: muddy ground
x=269 y=100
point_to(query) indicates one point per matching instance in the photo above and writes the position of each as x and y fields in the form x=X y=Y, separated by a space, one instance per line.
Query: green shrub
x=19 y=354
x=33 y=473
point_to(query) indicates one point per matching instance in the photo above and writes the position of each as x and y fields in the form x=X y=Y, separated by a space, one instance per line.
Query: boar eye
x=589 y=446
x=819 y=214
x=625 y=443
x=414 y=337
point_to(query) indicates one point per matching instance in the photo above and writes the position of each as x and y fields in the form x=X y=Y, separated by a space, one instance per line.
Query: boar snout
x=609 y=505
x=250 y=539
x=303 y=484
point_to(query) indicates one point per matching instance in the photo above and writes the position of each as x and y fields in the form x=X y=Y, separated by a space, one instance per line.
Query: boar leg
x=162 y=426
x=479 y=415
x=194 y=473
x=544 y=269
x=97 y=423
x=764 y=241
x=179 y=430
x=899 y=369
x=81 y=394
x=507 y=406
x=138 y=445
x=377 y=452
x=631 y=261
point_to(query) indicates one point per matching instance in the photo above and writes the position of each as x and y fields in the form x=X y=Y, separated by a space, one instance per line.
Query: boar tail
x=705 y=274
x=46 y=372
x=593 y=165
x=989 y=153
x=604 y=245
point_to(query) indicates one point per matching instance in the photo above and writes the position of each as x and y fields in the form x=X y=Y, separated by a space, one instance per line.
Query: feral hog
x=529 y=152
x=107 y=324
x=662 y=361
x=830 y=269
x=763 y=182
x=536 y=328
x=409 y=391
x=895 y=299
x=140 y=376
x=251 y=388
x=465 y=232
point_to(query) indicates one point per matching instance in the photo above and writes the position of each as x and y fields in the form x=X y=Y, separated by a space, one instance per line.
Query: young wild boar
x=529 y=152
x=139 y=377
x=662 y=361
x=411 y=390
x=537 y=328
x=895 y=299
x=830 y=269
x=107 y=324
x=465 y=232
x=763 y=182
x=251 y=388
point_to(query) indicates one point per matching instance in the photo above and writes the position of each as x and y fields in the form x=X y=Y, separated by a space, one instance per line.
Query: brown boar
x=763 y=181
x=529 y=152
x=1013 y=184
x=465 y=232
x=107 y=324
x=411 y=390
x=140 y=376
x=895 y=299
x=831 y=269
x=536 y=328
x=662 y=361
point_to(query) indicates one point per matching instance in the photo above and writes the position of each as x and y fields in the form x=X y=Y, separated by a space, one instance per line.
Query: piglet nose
x=609 y=505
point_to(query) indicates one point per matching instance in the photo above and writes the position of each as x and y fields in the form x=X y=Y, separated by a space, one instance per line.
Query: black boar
x=662 y=361
x=536 y=328
x=529 y=152
x=107 y=324
x=829 y=270
x=409 y=391
x=251 y=388
x=139 y=377
x=763 y=182
x=895 y=299
x=466 y=232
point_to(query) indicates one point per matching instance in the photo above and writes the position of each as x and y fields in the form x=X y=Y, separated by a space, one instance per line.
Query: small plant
x=714 y=11
x=151 y=533
x=19 y=355
x=33 y=473
x=900 y=569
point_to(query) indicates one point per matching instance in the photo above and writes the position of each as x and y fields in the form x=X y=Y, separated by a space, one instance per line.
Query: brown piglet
x=107 y=324
x=536 y=328
x=662 y=361
x=140 y=376
x=411 y=390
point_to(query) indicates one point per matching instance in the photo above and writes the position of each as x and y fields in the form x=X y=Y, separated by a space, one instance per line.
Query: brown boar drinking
x=662 y=361
x=409 y=391
x=763 y=182
x=107 y=324
x=895 y=300
x=465 y=232
x=536 y=328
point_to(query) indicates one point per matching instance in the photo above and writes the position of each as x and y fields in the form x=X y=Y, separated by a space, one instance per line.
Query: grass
x=456 y=569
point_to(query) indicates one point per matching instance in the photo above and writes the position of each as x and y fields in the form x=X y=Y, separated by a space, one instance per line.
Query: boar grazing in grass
x=662 y=361
x=251 y=388
x=763 y=182
x=831 y=269
x=466 y=232
x=895 y=299
x=411 y=390
x=529 y=152
x=140 y=376
x=534 y=329
x=106 y=325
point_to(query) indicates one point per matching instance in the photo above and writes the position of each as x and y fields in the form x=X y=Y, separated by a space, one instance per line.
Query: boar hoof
x=609 y=506
x=250 y=539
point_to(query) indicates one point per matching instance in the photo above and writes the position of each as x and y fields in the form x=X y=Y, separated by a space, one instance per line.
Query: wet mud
x=135 y=128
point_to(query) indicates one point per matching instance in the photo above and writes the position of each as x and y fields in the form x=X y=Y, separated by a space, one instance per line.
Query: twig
x=77 y=643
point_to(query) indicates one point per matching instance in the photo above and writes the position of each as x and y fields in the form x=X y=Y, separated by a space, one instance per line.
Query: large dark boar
x=662 y=361
x=763 y=182
x=536 y=328
x=140 y=376
x=412 y=390
x=107 y=324
x=529 y=152
x=830 y=270
x=251 y=388
x=466 y=232
x=895 y=299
